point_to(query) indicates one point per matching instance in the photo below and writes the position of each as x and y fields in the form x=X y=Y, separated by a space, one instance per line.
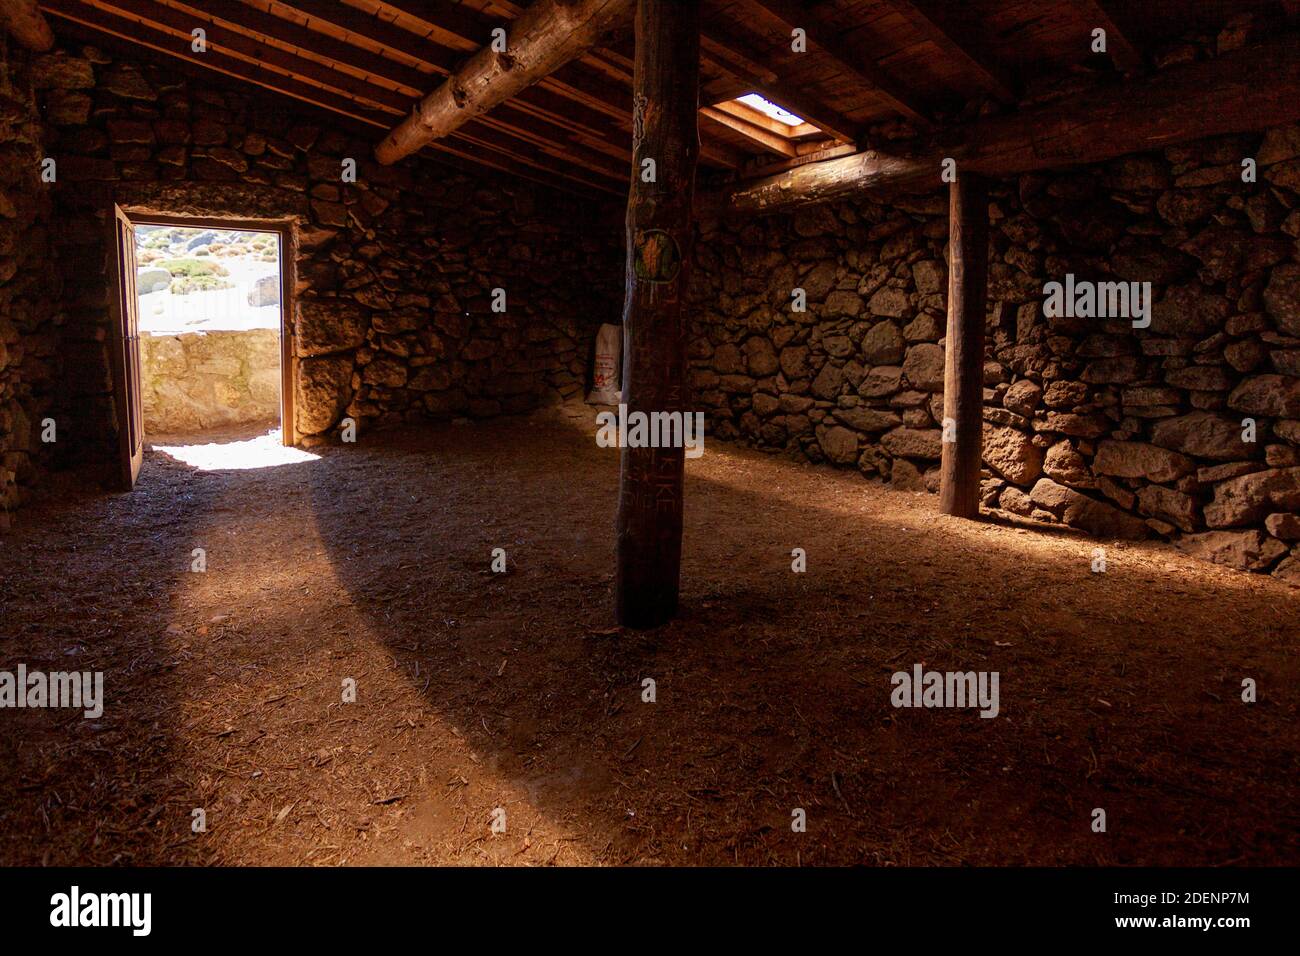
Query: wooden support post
x=665 y=146
x=963 y=374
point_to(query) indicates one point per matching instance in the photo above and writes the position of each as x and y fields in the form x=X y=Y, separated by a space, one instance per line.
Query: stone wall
x=201 y=380
x=1123 y=432
x=395 y=272
x=29 y=292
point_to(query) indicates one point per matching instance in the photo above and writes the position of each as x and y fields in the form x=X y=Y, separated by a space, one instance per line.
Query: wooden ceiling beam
x=850 y=58
x=23 y=20
x=549 y=137
x=937 y=21
x=548 y=35
x=397 y=103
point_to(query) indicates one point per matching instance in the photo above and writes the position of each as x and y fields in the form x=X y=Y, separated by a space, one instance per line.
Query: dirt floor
x=478 y=691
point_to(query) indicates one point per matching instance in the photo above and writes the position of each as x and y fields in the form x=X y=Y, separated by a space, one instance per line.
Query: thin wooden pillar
x=963 y=375
x=665 y=143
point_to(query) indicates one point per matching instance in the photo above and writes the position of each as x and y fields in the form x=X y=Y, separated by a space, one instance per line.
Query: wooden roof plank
x=935 y=20
x=856 y=61
x=255 y=20
x=160 y=41
x=221 y=37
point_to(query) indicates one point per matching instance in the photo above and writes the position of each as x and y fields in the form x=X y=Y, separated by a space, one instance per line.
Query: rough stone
x=1245 y=550
x=913 y=443
x=1012 y=454
x=1204 y=435
x=1248 y=499
x=883 y=344
x=1140 y=460
x=839 y=444
x=323 y=392
x=923 y=367
x=1269 y=395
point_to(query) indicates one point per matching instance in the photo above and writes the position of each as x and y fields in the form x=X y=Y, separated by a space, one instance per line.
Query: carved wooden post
x=963 y=375
x=665 y=145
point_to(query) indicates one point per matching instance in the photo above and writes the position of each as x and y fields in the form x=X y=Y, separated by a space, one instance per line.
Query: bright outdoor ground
x=204 y=280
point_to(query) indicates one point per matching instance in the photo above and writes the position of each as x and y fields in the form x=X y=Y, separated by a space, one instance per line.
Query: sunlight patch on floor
x=264 y=451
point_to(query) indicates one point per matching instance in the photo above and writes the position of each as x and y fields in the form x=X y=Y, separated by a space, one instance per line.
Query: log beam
x=666 y=97
x=24 y=21
x=549 y=34
x=1250 y=89
x=963 y=373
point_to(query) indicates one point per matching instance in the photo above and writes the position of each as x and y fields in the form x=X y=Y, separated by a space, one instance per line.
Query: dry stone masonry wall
x=396 y=271
x=29 y=291
x=198 y=381
x=1123 y=432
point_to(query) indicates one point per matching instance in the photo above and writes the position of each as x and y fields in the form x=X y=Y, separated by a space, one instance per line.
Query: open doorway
x=203 y=357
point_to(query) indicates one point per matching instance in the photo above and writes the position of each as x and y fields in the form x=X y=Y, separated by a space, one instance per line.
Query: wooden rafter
x=937 y=21
x=142 y=33
x=445 y=21
x=255 y=21
x=547 y=36
x=855 y=61
x=1121 y=48
x=23 y=20
x=234 y=43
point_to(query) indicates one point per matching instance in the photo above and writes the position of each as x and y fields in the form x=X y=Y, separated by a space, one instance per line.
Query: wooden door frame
x=285 y=229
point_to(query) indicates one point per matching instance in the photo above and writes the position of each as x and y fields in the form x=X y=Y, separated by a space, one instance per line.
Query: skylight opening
x=768 y=108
